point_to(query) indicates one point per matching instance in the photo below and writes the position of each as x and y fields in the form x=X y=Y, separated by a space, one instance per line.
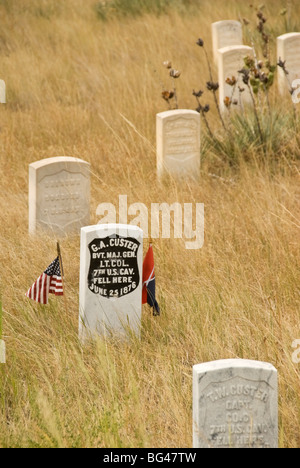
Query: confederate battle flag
x=149 y=282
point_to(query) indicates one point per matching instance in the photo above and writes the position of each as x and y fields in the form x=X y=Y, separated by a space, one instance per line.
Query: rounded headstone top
x=178 y=112
x=225 y=22
x=55 y=160
x=234 y=364
x=288 y=36
x=111 y=227
x=235 y=48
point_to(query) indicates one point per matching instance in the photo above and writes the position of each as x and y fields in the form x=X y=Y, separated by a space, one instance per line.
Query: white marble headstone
x=2 y=92
x=235 y=404
x=288 y=50
x=59 y=195
x=178 y=143
x=111 y=276
x=231 y=60
x=2 y=352
x=224 y=34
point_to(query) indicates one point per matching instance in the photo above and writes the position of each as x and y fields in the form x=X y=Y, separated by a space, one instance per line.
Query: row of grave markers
x=177 y=131
x=229 y=52
x=235 y=402
x=59 y=187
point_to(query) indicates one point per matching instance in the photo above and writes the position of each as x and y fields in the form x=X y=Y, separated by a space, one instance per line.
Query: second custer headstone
x=235 y=404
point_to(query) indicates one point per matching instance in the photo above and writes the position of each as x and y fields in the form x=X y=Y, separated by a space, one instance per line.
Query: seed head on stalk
x=211 y=84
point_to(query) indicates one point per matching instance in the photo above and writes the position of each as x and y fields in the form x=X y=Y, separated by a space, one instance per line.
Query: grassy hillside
x=86 y=85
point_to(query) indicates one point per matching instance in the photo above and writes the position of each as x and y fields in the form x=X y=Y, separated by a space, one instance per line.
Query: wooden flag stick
x=62 y=273
x=60 y=260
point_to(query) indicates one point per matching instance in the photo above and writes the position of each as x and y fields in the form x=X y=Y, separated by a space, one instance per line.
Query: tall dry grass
x=70 y=81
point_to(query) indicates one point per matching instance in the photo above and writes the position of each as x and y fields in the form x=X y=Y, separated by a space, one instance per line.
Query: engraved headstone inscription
x=178 y=143
x=59 y=195
x=231 y=60
x=235 y=404
x=110 y=297
x=224 y=34
x=288 y=50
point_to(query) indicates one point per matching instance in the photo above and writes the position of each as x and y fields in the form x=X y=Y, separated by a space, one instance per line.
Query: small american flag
x=49 y=282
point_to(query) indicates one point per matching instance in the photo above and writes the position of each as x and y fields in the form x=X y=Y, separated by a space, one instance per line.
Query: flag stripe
x=49 y=282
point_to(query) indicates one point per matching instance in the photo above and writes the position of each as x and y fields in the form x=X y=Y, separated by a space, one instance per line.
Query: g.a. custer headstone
x=288 y=50
x=59 y=195
x=224 y=34
x=235 y=404
x=230 y=61
x=178 y=143
x=111 y=276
